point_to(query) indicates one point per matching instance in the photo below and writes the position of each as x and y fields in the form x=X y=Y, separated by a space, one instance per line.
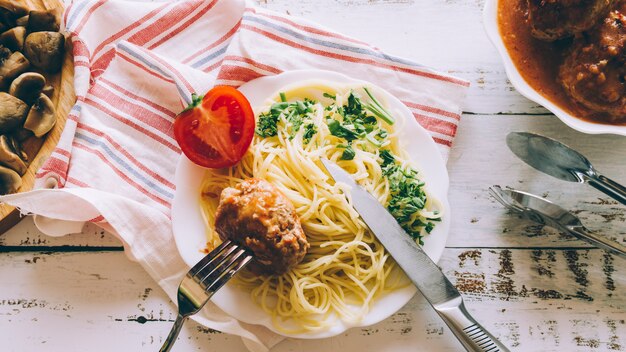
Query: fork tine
x=223 y=249
x=217 y=284
x=498 y=193
x=495 y=193
x=214 y=272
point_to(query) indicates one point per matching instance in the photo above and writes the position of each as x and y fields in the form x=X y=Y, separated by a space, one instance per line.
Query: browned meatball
x=257 y=216
x=555 y=19
x=594 y=72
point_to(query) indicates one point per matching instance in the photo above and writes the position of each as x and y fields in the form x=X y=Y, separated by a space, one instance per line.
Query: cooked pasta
x=345 y=268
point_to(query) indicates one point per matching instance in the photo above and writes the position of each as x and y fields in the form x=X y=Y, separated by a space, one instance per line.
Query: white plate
x=190 y=230
x=490 y=20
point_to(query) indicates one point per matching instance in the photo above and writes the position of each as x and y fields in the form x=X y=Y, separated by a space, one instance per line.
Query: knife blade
x=420 y=269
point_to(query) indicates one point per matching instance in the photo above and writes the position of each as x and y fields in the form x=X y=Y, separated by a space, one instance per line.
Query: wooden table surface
x=535 y=289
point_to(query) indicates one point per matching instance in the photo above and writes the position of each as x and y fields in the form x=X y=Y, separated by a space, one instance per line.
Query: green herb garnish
x=348 y=152
x=407 y=195
x=354 y=122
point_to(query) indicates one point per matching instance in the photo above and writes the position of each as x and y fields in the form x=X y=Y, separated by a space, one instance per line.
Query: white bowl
x=490 y=21
x=190 y=229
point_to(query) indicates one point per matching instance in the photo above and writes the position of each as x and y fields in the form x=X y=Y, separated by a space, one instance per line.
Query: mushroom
x=22 y=21
x=41 y=117
x=10 y=156
x=45 y=50
x=12 y=112
x=4 y=53
x=17 y=147
x=48 y=20
x=27 y=86
x=10 y=181
x=13 y=38
x=21 y=134
x=11 y=67
x=10 y=11
x=15 y=7
x=48 y=90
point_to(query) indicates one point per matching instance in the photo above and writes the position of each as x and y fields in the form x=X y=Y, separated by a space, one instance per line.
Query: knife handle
x=471 y=334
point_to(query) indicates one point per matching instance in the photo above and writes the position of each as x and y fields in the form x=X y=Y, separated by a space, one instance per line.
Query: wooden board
x=39 y=149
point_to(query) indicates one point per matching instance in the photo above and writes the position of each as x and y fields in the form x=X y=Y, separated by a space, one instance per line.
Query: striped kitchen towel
x=136 y=65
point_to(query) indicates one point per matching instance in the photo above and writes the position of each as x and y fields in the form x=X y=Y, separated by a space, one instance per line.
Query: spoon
x=560 y=161
x=544 y=212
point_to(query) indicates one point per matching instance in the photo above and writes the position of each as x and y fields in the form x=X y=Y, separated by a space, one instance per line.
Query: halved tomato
x=216 y=129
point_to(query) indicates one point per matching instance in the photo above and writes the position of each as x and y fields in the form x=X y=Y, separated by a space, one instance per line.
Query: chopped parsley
x=309 y=131
x=348 y=152
x=359 y=125
x=294 y=114
x=266 y=125
x=407 y=195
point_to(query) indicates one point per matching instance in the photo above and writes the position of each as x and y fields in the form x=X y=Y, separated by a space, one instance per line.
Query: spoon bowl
x=558 y=160
x=549 y=156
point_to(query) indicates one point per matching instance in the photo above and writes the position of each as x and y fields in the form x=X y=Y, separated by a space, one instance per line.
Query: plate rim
x=490 y=24
x=402 y=296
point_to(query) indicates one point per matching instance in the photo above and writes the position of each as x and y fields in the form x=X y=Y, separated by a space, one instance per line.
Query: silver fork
x=544 y=212
x=203 y=280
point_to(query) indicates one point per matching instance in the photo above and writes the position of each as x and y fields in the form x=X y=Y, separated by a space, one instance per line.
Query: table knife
x=420 y=269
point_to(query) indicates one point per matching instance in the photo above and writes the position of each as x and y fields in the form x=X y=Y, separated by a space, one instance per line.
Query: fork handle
x=608 y=245
x=173 y=335
x=609 y=187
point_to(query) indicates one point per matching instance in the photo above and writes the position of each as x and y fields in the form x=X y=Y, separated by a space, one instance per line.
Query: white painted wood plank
x=26 y=234
x=532 y=300
x=480 y=158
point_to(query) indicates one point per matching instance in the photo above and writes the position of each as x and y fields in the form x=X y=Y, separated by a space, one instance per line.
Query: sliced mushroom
x=41 y=117
x=12 y=112
x=11 y=157
x=15 y=7
x=4 y=53
x=21 y=134
x=13 y=38
x=22 y=21
x=45 y=50
x=13 y=66
x=28 y=86
x=48 y=90
x=48 y=20
x=11 y=11
x=10 y=181
x=16 y=145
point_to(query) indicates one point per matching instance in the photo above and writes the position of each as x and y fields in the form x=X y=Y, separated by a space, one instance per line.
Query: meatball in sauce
x=557 y=19
x=257 y=216
x=583 y=71
x=594 y=73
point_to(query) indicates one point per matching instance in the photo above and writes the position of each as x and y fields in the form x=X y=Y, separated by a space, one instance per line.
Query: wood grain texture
x=39 y=149
x=558 y=300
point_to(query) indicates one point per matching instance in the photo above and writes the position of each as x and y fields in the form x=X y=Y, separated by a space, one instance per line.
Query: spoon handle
x=598 y=241
x=609 y=187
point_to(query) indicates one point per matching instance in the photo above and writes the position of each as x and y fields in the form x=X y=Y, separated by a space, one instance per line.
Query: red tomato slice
x=216 y=129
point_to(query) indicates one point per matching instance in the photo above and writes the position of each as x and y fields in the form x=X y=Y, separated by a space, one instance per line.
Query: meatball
x=257 y=216
x=594 y=72
x=556 y=19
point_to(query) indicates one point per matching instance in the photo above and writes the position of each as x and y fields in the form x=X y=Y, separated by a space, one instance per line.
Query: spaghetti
x=346 y=268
